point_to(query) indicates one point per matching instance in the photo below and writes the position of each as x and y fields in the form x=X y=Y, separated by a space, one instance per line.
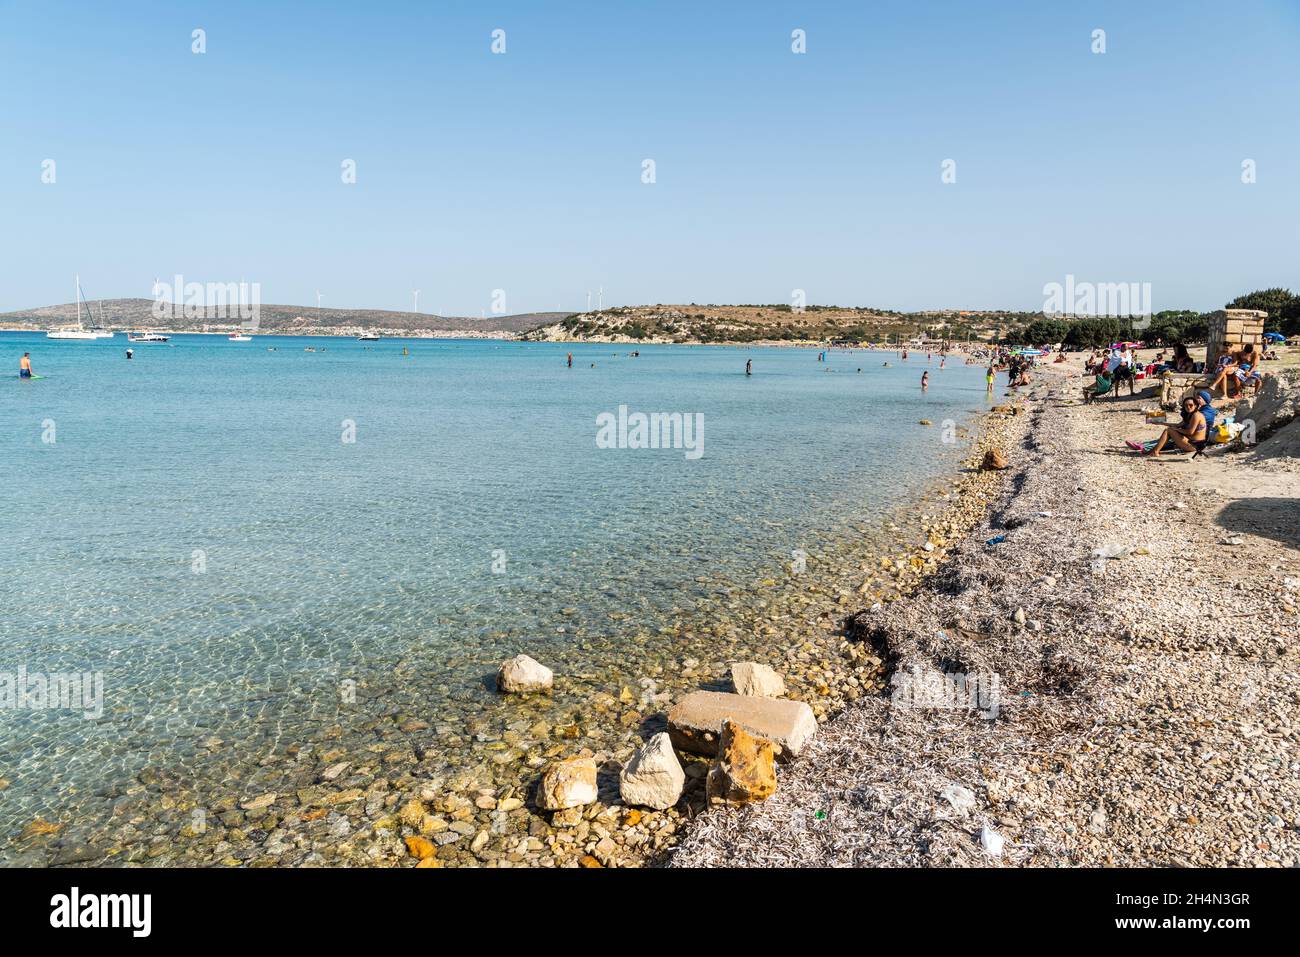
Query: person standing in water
x=988 y=377
x=570 y=360
x=749 y=367
x=129 y=354
x=925 y=381
x=25 y=366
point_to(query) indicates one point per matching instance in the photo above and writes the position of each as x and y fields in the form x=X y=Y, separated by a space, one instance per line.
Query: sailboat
x=81 y=332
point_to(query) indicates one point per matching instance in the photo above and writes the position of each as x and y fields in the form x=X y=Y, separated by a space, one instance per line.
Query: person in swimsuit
x=1192 y=432
x=1225 y=366
x=25 y=366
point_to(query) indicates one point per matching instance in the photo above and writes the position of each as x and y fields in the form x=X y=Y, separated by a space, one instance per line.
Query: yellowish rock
x=412 y=813
x=745 y=769
x=420 y=847
x=568 y=783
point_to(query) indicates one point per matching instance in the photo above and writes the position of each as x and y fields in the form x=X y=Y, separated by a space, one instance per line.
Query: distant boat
x=146 y=337
x=240 y=337
x=368 y=337
x=81 y=332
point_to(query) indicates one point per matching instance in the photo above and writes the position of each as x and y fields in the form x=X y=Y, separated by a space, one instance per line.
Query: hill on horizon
x=137 y=314
x=764 y=323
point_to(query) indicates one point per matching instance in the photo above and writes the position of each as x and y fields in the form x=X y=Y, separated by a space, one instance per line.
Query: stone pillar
x=1234 y=328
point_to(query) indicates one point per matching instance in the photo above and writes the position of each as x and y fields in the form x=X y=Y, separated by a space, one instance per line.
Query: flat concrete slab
x=695 y=722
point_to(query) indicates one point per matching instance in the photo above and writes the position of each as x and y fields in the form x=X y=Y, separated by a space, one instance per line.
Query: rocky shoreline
x=386 y=797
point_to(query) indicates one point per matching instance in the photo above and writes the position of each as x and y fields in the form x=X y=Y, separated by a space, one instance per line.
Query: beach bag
x=1221 y=434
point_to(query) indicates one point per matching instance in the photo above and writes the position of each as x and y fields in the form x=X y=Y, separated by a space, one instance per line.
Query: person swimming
x=25 y=366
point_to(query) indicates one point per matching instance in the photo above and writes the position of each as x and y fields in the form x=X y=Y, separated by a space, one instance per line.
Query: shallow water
x=200 y=532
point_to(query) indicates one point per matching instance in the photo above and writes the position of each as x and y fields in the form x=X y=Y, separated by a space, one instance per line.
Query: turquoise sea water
x=199 y=531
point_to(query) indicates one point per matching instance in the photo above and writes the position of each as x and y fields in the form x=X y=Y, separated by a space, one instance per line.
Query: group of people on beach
x=1237 y=369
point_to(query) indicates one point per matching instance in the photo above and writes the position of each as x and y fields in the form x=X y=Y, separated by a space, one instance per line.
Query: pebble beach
x=1142 y=619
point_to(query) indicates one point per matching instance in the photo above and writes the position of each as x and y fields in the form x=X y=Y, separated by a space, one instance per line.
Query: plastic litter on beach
x=996 y=540
x=961 y=799
x=1112 y=551
x=991 y=841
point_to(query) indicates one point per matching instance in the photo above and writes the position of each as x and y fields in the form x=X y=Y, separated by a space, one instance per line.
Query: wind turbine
x=600 y=300
x=589 y=300
x=319 y=297
x=416 y=294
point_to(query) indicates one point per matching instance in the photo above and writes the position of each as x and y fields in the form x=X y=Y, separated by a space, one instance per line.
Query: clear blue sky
x=775 y=171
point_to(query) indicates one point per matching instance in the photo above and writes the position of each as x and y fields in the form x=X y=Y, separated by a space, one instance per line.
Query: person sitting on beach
x=1182 y=361
x=1247 y=374
x=1224 y=366
x=1190 y=435
x=1100 y=385
x=1204 y=405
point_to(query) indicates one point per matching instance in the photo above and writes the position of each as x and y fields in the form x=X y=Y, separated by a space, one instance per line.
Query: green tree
x=1045 y=329
x=1273 y=301
x=1282 y=306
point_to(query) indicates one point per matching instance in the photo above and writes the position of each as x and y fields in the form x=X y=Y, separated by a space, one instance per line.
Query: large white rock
x=522 y=674
x=756 y=680
x=654 y=777
x=568 y=783
x=695 y=722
